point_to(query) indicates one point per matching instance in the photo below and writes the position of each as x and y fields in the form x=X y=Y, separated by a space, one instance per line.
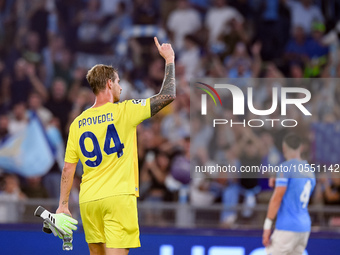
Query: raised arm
x=168 y=90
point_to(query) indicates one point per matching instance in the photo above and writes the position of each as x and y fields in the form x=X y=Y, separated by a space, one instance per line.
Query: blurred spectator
x=128 y=90
x=190 y=58
x=59 y=104
x=153 y=189
x=180 y=167
x=200 y=193
x=109 y=8
x=145 y=12
x=18 y=119
x=35 y=105
x=51 y=180
x=330 y=193
x=304 y=13
x=10 y=209
x=237 y=34
x=272 y=71
x=5 y=82
x=32 y=51
x=232 y=190
x=21 y=86
x=331 y=190
x=4 y=131
x=39 y=19
x=146 y=139
x=201 y=134
x=314 y=47
x=316 y=51
x=272 y=155
x=296 y=70
x=84 y=100
x=34 y=188
x=332 y=37
x=6 y=8
x=79 y=81
x=25 y=81
x=116 y=25
x=212 y=66
x=218 y=20
x=243 y=7
x=337 y=98
x=155 y=76
x=63 y=66
x=200 y=5
x=249 y=156
x=50 y=54
x=153 y=174
x=89 y=21
x=182 y=21
x=240 y=65
x=296 y=50
x=176 y=126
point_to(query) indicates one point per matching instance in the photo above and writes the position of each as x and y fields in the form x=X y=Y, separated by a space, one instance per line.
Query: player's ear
x=109 y=84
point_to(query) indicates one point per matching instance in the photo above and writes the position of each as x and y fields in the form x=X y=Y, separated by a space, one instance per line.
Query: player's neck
x=291 y=156
x=103 y=98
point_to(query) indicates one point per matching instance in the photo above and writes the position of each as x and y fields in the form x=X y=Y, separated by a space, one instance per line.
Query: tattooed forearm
x=66 y=184
x=167 y=93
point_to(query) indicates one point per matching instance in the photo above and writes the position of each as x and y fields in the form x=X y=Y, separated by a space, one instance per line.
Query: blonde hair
x=98 y=75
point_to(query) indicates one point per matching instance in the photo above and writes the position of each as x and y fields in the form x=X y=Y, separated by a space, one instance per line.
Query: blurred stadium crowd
x=47 y=46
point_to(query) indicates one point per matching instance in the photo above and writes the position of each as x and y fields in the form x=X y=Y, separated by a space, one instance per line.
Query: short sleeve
x=137 y=110
x=282 y=177
x=71 y=155
x=281 y=182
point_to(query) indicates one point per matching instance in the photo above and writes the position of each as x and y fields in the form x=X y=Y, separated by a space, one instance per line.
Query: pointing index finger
x=156 y=42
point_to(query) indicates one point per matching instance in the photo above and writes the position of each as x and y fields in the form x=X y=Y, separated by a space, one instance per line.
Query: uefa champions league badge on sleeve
x=136 y=101
x=139 y=101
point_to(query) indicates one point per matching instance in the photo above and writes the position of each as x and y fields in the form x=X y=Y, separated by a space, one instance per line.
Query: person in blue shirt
x=296 y=48
x=293 y=187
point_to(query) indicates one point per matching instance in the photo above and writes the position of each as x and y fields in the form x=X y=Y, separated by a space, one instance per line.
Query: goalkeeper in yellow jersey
x=104 y=139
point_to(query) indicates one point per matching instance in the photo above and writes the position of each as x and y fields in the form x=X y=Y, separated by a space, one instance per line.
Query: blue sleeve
x=281 y=182
x=282 y=177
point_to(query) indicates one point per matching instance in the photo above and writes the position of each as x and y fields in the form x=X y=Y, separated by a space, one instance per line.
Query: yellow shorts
x=112 y=220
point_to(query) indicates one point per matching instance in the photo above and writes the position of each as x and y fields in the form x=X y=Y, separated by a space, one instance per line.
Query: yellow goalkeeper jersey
x=104 y=139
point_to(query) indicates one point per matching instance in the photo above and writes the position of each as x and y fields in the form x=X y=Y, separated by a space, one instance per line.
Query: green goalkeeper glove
x=64 y=223
x=48 y=228
x=60 y=224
